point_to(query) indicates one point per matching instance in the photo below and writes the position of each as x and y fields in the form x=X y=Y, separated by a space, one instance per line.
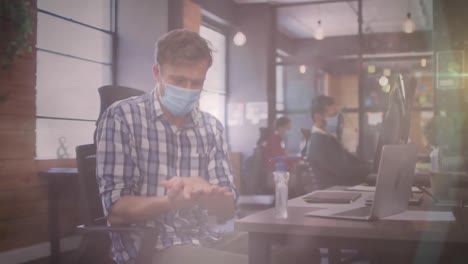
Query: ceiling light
x=408 y=25
x=383 y=81
x=423 y=63
x=239 y=39
x=302 y=69
x=319 y=34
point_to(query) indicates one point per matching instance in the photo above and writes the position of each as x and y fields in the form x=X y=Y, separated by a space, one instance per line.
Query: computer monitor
x=397 y=117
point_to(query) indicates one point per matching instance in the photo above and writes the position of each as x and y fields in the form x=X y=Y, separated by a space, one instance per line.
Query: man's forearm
x=132 y=209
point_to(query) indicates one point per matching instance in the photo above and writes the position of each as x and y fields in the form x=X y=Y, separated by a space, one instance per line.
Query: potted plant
x=16 y=27
x=446 y=133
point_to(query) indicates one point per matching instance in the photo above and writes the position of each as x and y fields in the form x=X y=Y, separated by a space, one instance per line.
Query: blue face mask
x=179 y=101
x=332 y=125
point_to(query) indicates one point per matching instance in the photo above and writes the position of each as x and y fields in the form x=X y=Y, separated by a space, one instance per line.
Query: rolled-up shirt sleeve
x=115 y=168
x=219 y=166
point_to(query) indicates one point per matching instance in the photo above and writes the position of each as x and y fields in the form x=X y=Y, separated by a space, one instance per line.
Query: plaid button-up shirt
x=137 y=149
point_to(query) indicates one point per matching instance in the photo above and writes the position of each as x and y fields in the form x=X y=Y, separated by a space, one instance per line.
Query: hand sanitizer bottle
x=281 y=176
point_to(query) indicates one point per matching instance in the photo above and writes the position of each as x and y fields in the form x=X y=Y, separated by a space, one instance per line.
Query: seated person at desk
x=331 y=162
x=162 y=162
x=275 y=146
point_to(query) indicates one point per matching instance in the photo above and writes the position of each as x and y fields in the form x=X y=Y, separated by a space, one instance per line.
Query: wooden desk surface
x=301 y=225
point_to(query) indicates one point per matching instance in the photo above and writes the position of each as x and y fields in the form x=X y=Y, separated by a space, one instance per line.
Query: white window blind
x=213 y=99
x=74 y=59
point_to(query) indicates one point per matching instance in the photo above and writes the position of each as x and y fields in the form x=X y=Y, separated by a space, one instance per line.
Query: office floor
x=46 y=260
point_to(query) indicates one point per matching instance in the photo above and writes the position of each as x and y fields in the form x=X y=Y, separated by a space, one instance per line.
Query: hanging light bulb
x=302 y=69
x=408 y=25
x=319 y=34
x=239 y=39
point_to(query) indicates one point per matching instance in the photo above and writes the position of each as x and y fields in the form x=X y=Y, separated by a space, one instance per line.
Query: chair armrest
x=148 y=243
x=100 y=226
x=90 y=229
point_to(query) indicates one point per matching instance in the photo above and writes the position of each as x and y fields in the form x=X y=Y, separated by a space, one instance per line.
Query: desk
x=54 y=176
x=264 y=230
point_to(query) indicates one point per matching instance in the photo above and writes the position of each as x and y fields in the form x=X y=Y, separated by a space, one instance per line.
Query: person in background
x=275 y=145
x=331 y=162
x=306 y=133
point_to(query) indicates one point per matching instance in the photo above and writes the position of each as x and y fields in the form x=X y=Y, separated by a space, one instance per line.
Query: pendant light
x=319 y=34
x=409 y=26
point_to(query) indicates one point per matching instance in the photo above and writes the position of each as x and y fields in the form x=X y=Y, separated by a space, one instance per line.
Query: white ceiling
x=339 y=19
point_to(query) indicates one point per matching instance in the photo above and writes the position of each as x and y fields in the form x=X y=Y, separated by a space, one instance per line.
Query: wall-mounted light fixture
x=302 y=69
x=423 y=63
x=239 y=39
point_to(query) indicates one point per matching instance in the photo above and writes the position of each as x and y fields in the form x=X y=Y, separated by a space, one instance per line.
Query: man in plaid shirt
x=162 y=162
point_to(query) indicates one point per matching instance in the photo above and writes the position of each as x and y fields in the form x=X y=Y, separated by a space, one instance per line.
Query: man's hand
x=179 y=193
x=189 y=191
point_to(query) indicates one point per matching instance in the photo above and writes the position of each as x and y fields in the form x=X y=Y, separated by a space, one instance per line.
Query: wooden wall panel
x=344 y=89
x=27 y=231
x=20 y=102
x=17 y=145
x=192 y=16
x=10 y=122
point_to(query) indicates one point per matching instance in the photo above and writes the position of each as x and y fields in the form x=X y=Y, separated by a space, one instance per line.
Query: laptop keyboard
x=358 y=212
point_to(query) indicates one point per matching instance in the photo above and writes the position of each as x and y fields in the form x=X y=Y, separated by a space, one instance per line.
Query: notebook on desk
x=367 y=188
x=415 y=199
x=332 y=197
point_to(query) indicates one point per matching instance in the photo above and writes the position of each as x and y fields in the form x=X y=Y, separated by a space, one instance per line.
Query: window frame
x=113 y=4
x=223 y=30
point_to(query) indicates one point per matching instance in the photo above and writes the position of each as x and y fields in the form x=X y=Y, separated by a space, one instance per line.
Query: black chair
x=95 y=245
x=110 y=94
x=306 y=179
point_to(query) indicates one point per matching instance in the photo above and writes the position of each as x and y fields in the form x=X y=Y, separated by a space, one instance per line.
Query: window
x=74 y=59
x=279 y=85
x=213 y=98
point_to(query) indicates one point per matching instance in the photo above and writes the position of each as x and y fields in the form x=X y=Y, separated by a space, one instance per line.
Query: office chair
x=95 y=245
x=110 y=94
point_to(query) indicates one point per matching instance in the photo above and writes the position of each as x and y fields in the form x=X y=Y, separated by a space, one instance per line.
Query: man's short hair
x=320 y=104
x=182 y=47
x=282 y=121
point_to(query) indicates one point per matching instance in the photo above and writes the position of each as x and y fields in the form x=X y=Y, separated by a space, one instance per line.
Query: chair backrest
x=90 y=202
x=110 y=94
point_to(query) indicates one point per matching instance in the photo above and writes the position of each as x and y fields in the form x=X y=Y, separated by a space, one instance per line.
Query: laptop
x=393 y=188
